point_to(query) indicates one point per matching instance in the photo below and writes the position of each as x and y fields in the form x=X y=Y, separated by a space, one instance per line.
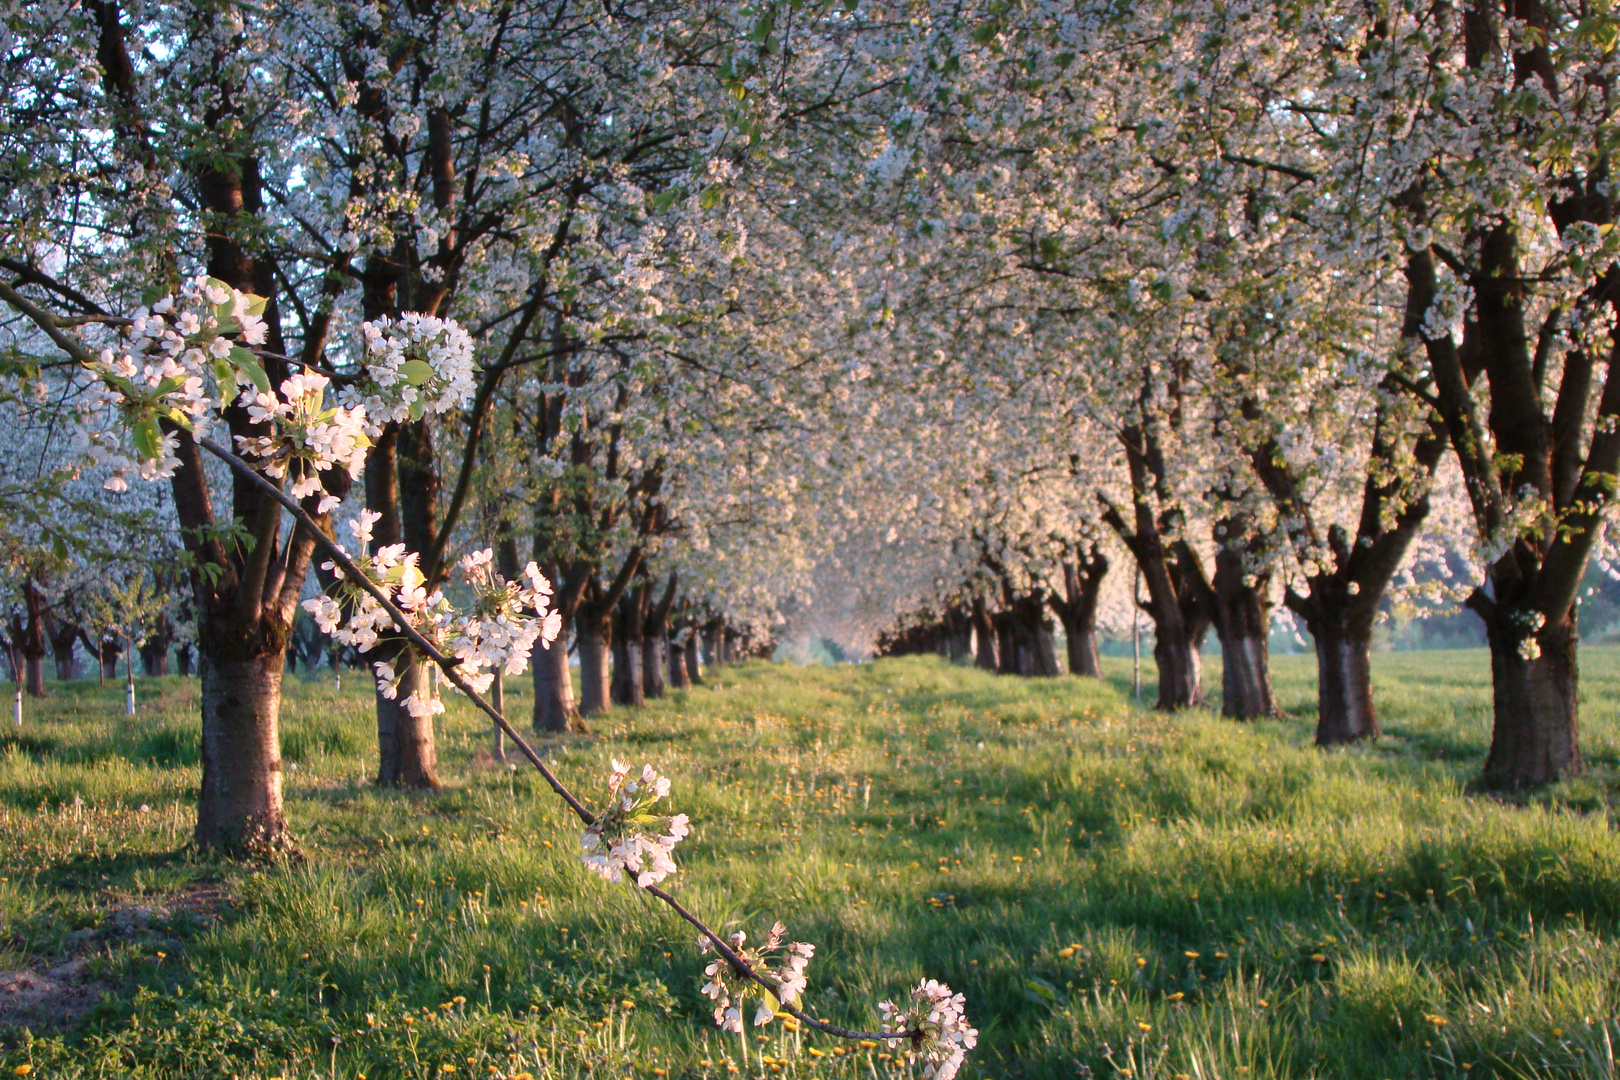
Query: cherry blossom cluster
x=306 y=436
x=499 y=631
x=631 y=836
x=155 y=380
x=415 y=365
x=785 y=964
x=937 y=1024
x=497 y=634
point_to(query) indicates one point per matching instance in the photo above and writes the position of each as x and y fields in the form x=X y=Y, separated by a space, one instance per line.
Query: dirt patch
x=57 y=993
x=57 y=997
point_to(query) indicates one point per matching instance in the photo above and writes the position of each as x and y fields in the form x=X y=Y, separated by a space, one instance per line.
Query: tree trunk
x=1082 y=649
x=407 y=756
x=958 y=634
x=63 y=637
x=35 y=666
x=984 y=632
x=182 y=659
x=1242 y=622
x=1344 y=699
x=711 y=643
x=1177 y=656
x=593 y=645
x=28 y=637
x=106 y=653
x=677 y=667
x=628 y=685
x=1046 y=662
x=554 y=708
x=656 y=656
x=1006 y=643
x=694 y=666
x=67 y=660
x=240 y=808
x=654 y=662
x=155 y=657
x=1534 y=739
x=1077 y=609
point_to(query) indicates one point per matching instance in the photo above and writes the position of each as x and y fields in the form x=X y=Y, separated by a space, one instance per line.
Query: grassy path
x=1117 y=893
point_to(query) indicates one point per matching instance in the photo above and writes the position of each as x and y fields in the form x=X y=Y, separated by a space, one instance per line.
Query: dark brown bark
x=1180 y=600
x=28 y=637
x=655 y=654
x=1534 y=678
x=594 y=646
x=1007 y=653
x=1077 y=609
x=106 y=653
x=958 y=628
x=654 y=663
x=678 y=679
x=628 y=685
x=155 y=649
x=407 y=753
x=1181 y=668
x=987 y=643
x=240 y=808
x=63 y=634
x=1341 y=602
x=694 y=665
x=182 y=659
x=555 y=711
x=713 y=649
x=1029 y=635
x=1528 y=599
x=1243 y=624
x=1344 y=679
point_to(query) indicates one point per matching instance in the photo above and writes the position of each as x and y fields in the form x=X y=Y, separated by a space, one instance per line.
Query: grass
x=1117 y=893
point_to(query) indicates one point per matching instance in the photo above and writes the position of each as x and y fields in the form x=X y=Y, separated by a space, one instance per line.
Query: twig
x=79 y=353
x=448 y=666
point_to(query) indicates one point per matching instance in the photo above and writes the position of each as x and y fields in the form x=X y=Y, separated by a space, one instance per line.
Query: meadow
x=1118 y=893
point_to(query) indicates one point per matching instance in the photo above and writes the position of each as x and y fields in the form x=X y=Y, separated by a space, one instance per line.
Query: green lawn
x=1117 y=893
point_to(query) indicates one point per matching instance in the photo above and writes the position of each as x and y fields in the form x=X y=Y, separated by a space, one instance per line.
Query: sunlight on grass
x=1113 y=890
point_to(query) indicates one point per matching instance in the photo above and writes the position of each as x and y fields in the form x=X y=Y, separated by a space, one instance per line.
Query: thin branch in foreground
x=448 y=666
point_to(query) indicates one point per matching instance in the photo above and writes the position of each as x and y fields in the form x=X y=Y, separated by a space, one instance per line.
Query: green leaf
x=418 y=407
x=249 y=364
x=416 y=372
x=148 y=439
